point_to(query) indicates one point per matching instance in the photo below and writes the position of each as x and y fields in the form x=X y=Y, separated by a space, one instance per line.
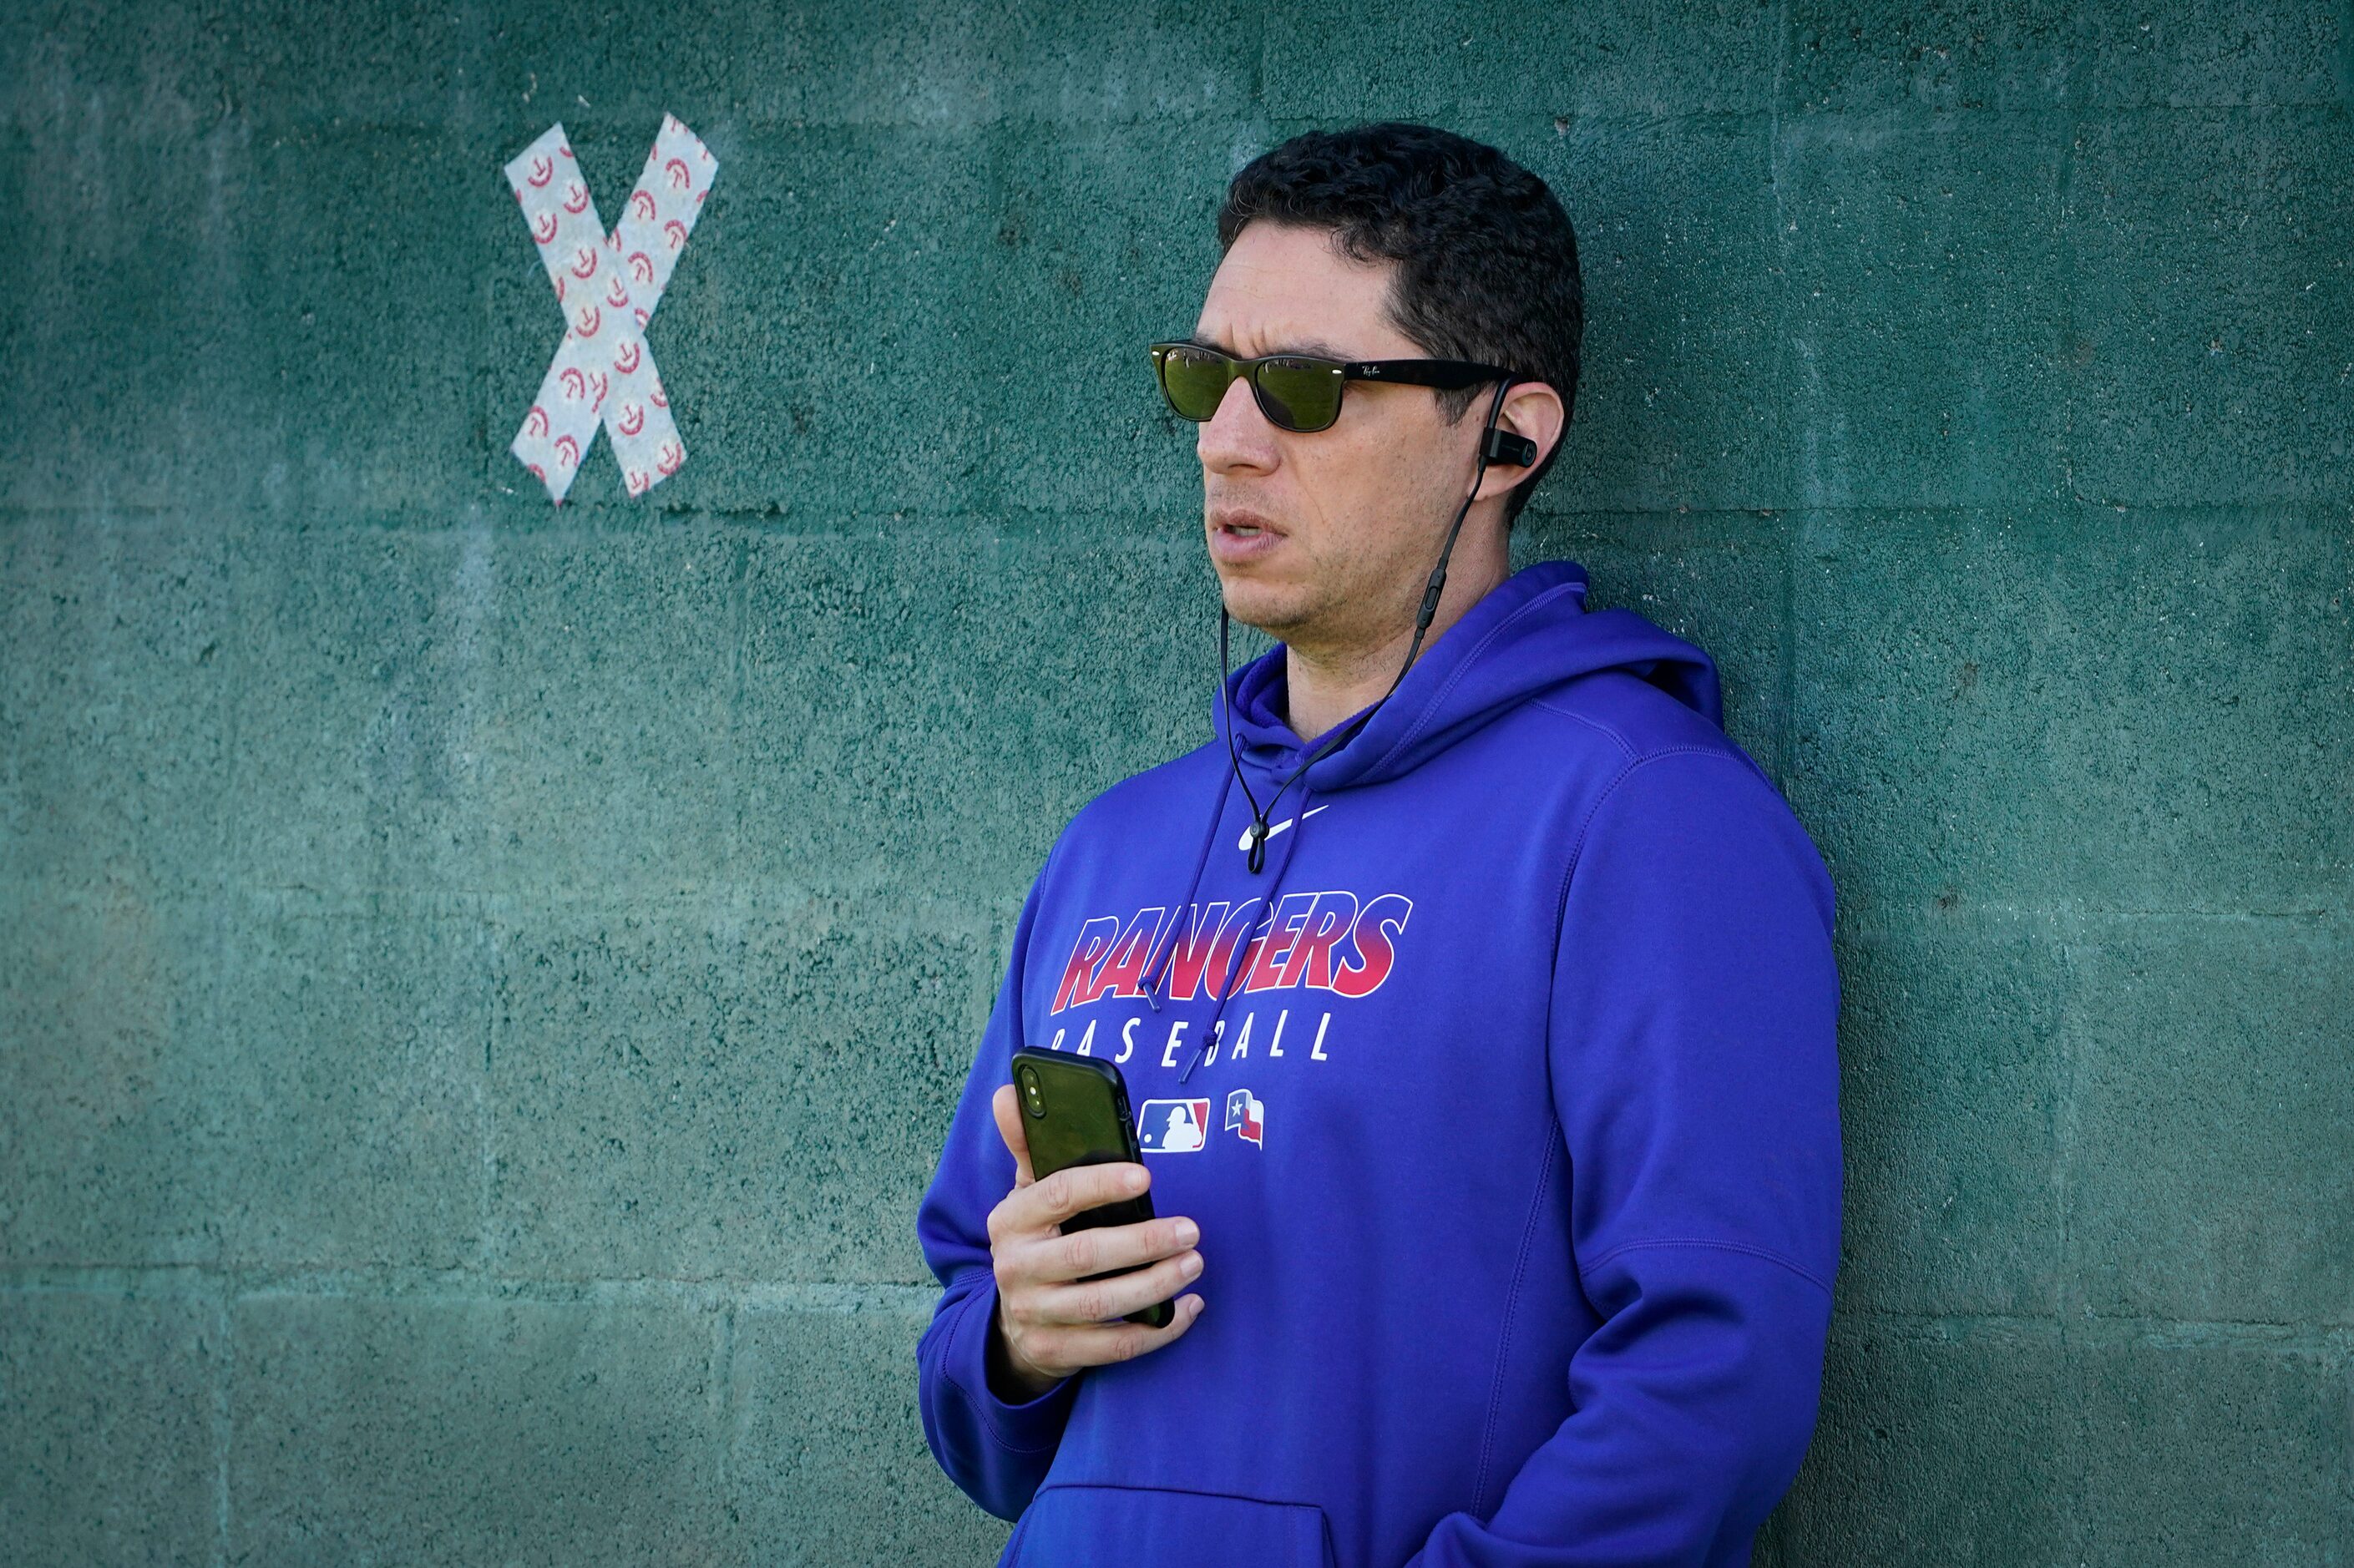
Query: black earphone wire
x=1431 y=592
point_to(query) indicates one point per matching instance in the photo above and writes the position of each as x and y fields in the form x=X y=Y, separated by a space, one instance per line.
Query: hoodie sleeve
x=1695 y=1075
x=996 y=1452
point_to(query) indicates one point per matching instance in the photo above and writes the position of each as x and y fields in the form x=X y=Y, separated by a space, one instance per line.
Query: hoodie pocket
x=1070 y=1526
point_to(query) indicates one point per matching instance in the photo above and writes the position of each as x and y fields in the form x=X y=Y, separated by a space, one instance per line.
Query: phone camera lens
x=1036 y=1102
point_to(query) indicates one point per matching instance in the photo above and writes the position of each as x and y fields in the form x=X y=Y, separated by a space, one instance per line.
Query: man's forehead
x=1283 y=289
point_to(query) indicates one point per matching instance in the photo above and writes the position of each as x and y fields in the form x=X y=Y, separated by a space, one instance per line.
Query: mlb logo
x=1246 y=1114
x=1173 y=1127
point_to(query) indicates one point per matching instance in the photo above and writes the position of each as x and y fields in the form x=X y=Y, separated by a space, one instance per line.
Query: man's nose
x=1238 y=434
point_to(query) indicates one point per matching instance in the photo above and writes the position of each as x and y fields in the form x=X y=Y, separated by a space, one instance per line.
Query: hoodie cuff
x=1034 y=1426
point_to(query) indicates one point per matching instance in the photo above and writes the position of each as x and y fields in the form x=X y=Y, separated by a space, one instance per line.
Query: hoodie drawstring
x=1152 y=972
x=1244 y=947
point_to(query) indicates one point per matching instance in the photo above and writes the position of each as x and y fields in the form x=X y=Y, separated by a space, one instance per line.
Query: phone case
x=1075 y=1112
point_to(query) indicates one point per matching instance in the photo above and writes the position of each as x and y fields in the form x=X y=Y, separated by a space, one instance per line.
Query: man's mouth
x=1239 y=536
x=1243 y=524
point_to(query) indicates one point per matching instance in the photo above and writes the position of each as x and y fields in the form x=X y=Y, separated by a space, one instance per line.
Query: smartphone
x=1075 y=1112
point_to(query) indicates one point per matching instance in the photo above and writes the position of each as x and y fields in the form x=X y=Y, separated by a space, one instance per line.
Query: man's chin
x=1275 y=609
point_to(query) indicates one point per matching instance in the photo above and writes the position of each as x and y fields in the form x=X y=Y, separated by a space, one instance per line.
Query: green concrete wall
x=484 y=985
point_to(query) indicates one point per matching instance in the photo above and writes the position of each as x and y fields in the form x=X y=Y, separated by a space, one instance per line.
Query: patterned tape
x=608 y=286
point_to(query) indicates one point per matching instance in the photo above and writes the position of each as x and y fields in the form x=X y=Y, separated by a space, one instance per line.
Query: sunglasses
x=1295 y=391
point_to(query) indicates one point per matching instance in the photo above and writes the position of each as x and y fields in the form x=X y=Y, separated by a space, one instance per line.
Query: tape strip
x=608 y=286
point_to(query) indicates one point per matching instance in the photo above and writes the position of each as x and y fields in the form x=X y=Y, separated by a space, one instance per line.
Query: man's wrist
x=1008 y=1381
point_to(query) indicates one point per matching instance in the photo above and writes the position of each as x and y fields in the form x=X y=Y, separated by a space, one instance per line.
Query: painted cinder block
x=1908 y=64
x=1927 y=306
x=284 y=63
x=2210 y=1179
x=927 y=717
x=2214 y=301
x=608 y=733
x=129 y=373
x=2211 y=53
x=359 y=709
x=1441 y=59
x=2237 y=1451
x=466 y=711
x=61 y=63
x=1938 y=1443
x=363 y=250
x=109 y=1075
x=2027 y=711
x=1957 y=1441
x=249 y=319
x=752 y=1092
x=114 y=687
x=1951 y=1096
x=444 y=1428
x=351 y=1041
x=826 y=1458
x=1684 y=396
x=901 y=63
x=1095 y=244
x=276 y=63
x=107 y=1434
x=2026 y=56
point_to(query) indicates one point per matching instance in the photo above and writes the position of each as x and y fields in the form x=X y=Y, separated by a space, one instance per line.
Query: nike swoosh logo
x=1243 y=844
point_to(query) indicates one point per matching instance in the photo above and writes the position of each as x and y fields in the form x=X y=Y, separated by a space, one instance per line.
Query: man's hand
x=1049 y=1327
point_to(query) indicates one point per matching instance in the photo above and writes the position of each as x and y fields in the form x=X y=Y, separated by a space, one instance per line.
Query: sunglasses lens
x=1195 y=382
x=1299 y=394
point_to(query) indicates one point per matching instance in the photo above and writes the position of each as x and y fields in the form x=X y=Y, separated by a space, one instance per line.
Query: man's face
x=1322 y=539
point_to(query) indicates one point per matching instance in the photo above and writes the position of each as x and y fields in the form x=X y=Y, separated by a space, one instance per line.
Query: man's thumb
x=1009 y=1127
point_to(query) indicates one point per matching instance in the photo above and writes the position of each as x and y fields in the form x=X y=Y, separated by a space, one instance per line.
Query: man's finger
x=1102 y=1344
x=1100 y=1300
x=1073 y=1189
x=1099 y=1249
x=1042 y=1205
x=1008 y=1108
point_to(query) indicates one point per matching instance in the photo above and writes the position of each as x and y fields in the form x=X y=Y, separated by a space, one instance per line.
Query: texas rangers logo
x=1246 y=1114
x=1173 y=1127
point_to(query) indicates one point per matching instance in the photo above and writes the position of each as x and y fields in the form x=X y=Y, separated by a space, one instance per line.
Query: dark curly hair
x=1487 y=259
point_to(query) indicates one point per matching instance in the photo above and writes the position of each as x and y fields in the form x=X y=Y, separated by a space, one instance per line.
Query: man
x=1512 y=973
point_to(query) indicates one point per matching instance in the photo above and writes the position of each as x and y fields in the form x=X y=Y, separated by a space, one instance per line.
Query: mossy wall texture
x=484 y=984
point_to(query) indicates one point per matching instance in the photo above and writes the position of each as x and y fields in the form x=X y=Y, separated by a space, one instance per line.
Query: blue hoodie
x=1513 y=1137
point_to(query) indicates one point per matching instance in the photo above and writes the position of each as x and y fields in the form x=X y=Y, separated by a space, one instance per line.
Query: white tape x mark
x=608 y=286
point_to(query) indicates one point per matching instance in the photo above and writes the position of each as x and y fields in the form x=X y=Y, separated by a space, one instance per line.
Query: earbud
x=1504 y=447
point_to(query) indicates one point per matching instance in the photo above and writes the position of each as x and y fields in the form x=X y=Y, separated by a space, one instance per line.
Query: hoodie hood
x=1530 y=634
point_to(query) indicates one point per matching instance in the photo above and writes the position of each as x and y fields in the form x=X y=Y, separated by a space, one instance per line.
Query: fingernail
x=1188 y=1233
x=1191 y=1265
x=1134 y=1180
x=1198 y=1308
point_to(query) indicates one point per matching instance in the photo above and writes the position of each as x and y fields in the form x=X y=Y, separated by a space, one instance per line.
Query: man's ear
x=1532 y=410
